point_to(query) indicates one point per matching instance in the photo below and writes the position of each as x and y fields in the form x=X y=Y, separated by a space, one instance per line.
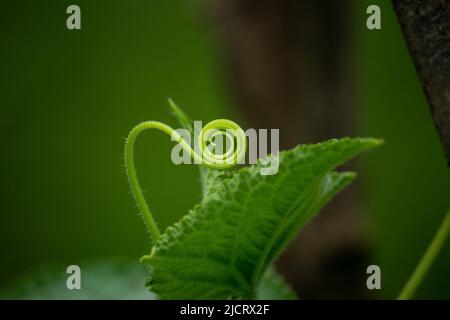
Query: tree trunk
x=426 y=27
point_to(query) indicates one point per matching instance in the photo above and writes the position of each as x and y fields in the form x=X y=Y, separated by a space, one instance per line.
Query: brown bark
x=288 y=65
x=426 y=27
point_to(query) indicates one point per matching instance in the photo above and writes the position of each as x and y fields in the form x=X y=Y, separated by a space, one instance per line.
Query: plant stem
x=426 y=261
x=132 y=175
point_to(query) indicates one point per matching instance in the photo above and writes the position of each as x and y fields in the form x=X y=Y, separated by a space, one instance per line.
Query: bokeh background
x=69 y=98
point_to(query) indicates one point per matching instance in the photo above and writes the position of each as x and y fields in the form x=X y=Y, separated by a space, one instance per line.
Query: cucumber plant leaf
x=273 y=287
x=225 y=245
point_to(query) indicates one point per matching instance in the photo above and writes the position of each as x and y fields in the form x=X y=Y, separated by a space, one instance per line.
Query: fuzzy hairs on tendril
x=201 y=153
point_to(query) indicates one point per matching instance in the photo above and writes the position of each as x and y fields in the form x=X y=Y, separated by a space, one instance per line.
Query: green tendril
x=201 y=154
x=422 y=268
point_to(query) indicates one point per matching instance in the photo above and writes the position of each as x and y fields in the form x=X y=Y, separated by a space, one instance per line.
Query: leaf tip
x=181 y=116
x=375 y=141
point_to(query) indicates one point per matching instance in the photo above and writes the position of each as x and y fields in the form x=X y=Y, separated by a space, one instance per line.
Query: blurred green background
x=69 y=98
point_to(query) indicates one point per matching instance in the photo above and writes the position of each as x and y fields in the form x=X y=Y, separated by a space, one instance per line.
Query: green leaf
x=273 y=287
x=184 y=120
x=224 y=245
x=100 y=279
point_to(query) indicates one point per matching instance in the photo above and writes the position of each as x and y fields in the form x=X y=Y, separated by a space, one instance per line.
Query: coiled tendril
x=203 y=153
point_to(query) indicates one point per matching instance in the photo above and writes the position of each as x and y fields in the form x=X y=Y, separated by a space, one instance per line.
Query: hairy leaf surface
x=224 y=245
